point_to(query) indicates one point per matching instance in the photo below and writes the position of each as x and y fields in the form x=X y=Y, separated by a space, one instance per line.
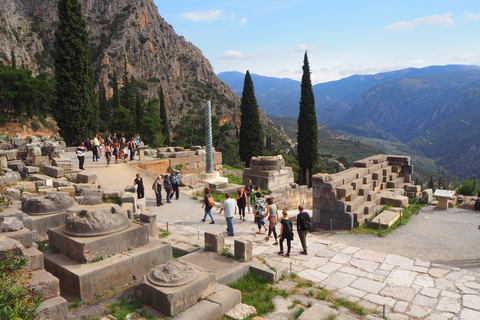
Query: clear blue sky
x=343 y=37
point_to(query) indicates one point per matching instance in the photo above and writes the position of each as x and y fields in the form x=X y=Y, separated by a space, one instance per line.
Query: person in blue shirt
x=174 y=180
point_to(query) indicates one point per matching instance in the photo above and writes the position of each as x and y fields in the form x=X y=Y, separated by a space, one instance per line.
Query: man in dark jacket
x=302 y=229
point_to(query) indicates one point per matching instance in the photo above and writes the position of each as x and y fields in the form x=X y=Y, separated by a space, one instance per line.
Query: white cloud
x=244 y=21
x=204 y=15
x=233 y=55
x=433 y=20
x=468 y=58
x=470 y=16
x=418 y=61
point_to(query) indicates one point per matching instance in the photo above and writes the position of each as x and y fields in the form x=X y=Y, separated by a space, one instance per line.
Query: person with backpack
x=260 y=211
x=157 y=187
x=303 y=226
x=286 y=233
x=175 y=183
x=208 y=203
x=167 y=185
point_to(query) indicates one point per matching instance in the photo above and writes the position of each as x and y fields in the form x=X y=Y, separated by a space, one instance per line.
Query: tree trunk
x=307 y=176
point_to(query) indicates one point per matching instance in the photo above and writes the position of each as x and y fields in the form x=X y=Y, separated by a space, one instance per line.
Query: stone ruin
x=101 y=242
x=352 y=197
x=270 y=173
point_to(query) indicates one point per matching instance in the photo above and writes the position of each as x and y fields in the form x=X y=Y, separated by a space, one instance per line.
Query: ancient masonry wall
x=351 y=197
x=270 y=173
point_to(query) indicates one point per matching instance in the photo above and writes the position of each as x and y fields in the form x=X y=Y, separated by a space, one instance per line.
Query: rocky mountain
x=433 y=110
x=121 y=29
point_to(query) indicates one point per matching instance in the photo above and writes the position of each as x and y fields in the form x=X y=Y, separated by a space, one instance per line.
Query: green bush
x=16 y=301
x=35 y=126
x=23 y=120
x=468 y=187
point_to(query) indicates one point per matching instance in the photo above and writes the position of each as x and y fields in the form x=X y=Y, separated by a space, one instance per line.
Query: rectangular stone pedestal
x=214 y=241
x=243 y=249
x=172 y=300
x=42 y=223
x=83 y=249
x=84 y=280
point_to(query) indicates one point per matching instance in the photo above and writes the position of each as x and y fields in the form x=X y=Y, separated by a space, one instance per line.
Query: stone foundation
x=349 y=198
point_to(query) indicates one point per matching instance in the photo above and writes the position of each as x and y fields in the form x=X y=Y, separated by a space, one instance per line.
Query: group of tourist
x=170 y=184
x=248 y=197
x=112 y=146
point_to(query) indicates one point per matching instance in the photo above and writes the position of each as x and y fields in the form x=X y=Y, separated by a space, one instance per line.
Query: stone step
x=35 y=258
x=386 y=219
x=44 y=283
x=54 y=308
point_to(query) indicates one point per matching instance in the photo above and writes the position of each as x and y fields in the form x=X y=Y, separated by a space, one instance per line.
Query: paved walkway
x=403 y=280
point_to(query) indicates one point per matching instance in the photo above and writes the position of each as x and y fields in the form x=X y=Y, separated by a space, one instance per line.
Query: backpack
x=211 y=201
x=261 y=207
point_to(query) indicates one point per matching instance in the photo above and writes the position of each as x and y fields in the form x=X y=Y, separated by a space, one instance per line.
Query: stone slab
x=270 y=269
x=226 y=270
x=55 y=308
x=83 y=279
x=25 y=236
x=386 y=219
x=226 y=297
x=83 y=249
x=41 y=223
x=35 y=258
x=207 y=309
x=44 y=283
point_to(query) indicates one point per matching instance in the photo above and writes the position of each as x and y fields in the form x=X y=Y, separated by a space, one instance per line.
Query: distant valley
x=433 y=110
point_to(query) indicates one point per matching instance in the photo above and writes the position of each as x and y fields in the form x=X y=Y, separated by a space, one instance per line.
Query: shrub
x=16 y=301
x=468 y=187
x=35 y=125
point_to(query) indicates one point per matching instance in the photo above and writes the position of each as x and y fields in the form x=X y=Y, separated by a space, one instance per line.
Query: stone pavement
x=408 y=288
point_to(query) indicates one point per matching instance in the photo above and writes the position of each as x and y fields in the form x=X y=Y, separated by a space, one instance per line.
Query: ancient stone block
x=92 y=192
x=214 y=241
x=396 y=201
x=43 y=282
x=386 y=219
x=130 y=197
x=243 y=249
x=47 y=204
x=427 y=196
x=112 y=194
x=54 y=308
x=16 y=165
x=175 y=286
x=10 y=224
x=68 y=189
x=86 y=177
x=53 y=171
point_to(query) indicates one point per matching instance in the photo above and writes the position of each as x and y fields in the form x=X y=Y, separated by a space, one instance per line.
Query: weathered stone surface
x=52 y=171
x=112 y=194
x=241 y=311
x=243 y=249
x=11 y=224
x=7 y=244
x=55 y=308
x=8 y=177
x=102 y=219
x=88 y=200
x=47 y=204
x=174 y=286
x=86 y=177
x=214 y=241
x=14 y=193
x=92 y=192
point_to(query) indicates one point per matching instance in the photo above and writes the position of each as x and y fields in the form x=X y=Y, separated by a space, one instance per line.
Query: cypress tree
x=75 y=106
x=251 y=135
x=14 y=60
x=163 y=116
x=307 y=135
x=116 y=93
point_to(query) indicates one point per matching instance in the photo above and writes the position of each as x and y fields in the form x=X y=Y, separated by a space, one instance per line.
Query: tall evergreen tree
x=307 y=135
x=76 y=99
x=104 y=106
x=14 y=60
x=116 y=93
x=163 y=117
x=251 y=136
x=128 y=96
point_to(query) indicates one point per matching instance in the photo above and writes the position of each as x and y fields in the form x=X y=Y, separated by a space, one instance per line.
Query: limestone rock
x=50 y=203
x=8 y=244
x=241 y=311
x=11 y=224
x=96 y=220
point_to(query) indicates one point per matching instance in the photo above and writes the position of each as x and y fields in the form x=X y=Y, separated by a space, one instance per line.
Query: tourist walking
x=108 y=152
x=250 y=194
x=174 y=181
x=95 y=146
x=115 y=152
x=157 y=187
x=141 y=187
x=286 y=233
x=260 y=211
x=302 y=220
x=272 y=214
x=230 y=207
x=241 y=198
x=167 y=185
x=208 y=203
x=81 y=155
